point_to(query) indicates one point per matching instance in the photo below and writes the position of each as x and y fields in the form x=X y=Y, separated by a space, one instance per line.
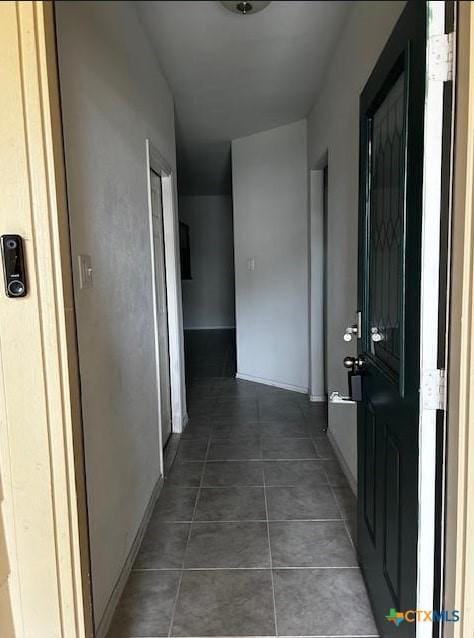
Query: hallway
x=252 y=533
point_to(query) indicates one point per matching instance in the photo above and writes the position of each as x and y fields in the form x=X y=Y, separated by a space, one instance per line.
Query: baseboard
x=210 y=328
x=104 y=623
x=342 y=462
x=318 y=398
x=276 y=384
x=179 y=422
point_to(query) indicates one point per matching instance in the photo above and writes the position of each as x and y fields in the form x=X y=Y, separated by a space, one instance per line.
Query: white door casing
x=161 y=308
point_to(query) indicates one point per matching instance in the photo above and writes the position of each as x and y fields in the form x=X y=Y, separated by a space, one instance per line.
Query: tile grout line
x=242 y=460
x=173 y=613
x=270 y=556
x=281 y=636
x=246 y=569
x=258 y=520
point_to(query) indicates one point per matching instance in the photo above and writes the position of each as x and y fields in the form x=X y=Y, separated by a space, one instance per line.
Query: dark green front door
x=391 y=170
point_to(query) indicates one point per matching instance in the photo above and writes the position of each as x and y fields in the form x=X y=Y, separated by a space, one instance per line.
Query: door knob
x=375 y=335
x=350 y=331
x=354 y=363
x=349 y=362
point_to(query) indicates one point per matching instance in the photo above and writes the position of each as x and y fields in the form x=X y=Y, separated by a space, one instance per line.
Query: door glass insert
x=387 y=215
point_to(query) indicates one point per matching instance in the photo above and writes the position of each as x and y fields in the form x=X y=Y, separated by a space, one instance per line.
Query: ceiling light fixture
x=245 y=8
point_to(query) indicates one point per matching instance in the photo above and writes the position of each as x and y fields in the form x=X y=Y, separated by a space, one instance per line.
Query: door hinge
x=433 y=390
x=441 y=57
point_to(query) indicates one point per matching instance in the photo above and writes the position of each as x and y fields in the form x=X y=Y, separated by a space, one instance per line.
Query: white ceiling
x=234 y=75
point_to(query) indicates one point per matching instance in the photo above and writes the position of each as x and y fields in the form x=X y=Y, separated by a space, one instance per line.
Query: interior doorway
x=161 y=308
x=208 y=282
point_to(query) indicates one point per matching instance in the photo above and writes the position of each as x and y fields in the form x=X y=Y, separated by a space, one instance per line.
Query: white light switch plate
x=86 y=279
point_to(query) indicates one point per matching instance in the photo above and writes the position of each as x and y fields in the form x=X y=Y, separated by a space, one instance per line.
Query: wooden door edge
x=41 y=434
x=459 y=576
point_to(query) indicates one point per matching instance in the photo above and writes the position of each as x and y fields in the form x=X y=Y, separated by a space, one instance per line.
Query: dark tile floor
x=210 y=353
x=251 y=535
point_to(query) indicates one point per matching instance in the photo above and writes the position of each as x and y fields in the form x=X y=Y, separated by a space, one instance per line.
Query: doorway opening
x=208 y=285
x=255 y=462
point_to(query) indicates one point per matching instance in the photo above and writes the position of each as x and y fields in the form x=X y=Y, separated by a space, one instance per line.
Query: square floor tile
x=301 y=503
x=316 y=430
x=289 y=429
x=175 y=504
x=237 y=400
x=313 y=408
x=283 y=448
x=316 y=421
x=231 y=504
x=243 y=408
x=247 y=413
x=201 y=407
x=239 y=392
x=200 y=393
x=346 y=500
x=235 y=429
x=225 y=603
x=227 y=449
x=335 y=474
x=184 y=474
x=311 y=544
x=192 y=450
x=218 y=545
x=163 y=546
x=146 y=606
x=279 y=411
x=294 y=473
x=197 y=431
x=322 y=602
x=324 y=448
x=233 y=473
x=351 y=524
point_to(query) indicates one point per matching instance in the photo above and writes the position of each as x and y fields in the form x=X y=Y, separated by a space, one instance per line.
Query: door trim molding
x=41 y=451
x=155 y=162
x=431 y=309
x=459 y=576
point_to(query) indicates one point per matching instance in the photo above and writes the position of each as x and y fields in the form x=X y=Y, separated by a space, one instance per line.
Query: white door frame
x=41 y=449
x=317 y=336
x=155 y=162
x=429 y=313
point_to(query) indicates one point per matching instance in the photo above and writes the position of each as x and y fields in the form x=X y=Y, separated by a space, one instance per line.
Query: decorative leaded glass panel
x=387 y=214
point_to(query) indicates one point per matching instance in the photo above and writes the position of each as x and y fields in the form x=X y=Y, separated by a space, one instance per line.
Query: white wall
x=209 y=297
x=333 y=127
x=270 y=189
x=317 y=381
x=113 y=98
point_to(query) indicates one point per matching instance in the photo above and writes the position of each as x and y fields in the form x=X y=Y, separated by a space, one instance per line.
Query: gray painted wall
x=333 y=127
x=113 y=98
x=270 y=188
x=209 y=297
